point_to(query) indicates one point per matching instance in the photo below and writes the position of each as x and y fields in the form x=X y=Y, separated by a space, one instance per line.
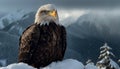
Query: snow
x=105 y=59
x=90 y=66
x=105 y=52
x=65 y=64
x=106 y=47
x=114 y=64
x=102 y=61
x=18 y=66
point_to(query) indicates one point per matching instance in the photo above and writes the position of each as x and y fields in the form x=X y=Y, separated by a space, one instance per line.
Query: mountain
x=8 y=47
x=92 y=30
x=17 y=27
x=10 y=31
x=12 y=17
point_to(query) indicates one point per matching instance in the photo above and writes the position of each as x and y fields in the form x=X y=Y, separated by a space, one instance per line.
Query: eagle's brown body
x=42 y=44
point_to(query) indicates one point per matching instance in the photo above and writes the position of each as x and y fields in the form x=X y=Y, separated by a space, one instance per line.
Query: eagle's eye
x=44 y=11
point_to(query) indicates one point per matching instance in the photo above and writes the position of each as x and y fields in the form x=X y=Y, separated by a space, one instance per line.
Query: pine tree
x=89 y=61
x=104 y=57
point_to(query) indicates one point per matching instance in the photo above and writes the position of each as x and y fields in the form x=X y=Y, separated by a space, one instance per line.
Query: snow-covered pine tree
x=89 y=61
x=90 y=65
x=105 y=60
x=119 y=60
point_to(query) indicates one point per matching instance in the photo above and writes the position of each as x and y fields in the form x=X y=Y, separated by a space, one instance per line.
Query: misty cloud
x=35 y=4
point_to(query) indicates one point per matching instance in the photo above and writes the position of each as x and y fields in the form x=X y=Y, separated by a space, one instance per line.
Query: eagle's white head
x=46 y=13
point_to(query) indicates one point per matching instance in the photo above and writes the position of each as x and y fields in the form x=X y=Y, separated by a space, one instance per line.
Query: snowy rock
x=65 y=64
x=90 y=66
x=18 y=66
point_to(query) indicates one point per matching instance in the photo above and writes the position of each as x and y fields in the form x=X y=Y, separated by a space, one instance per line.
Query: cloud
x=88 y=3
x=66 y=17
x=35 y=4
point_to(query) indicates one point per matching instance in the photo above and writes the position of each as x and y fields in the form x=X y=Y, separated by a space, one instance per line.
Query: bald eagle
x=44 y=41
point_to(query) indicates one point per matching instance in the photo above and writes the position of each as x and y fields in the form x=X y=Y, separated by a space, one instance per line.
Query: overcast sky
x=12 y=5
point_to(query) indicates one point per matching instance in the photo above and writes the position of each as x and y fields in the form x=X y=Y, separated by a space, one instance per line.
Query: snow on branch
x=106 y=47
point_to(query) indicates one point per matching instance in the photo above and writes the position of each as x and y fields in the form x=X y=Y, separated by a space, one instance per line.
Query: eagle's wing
x=28 y=43
x=63 y=39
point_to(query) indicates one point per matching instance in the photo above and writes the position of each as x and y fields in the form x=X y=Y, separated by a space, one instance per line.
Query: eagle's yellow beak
x=53 y=13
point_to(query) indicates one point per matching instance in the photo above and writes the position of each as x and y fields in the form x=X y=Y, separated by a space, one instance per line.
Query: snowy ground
x=90 y=66
x=65 y=64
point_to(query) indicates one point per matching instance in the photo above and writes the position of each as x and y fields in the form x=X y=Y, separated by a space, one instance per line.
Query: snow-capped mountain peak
x=12 y=17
